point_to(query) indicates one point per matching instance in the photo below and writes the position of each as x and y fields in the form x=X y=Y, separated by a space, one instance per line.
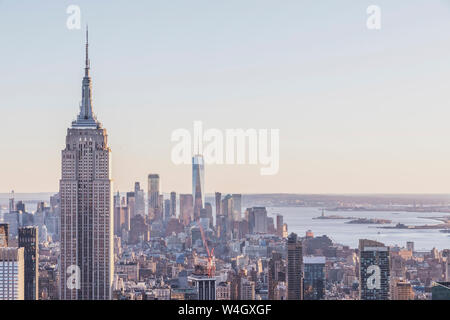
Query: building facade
x=12 y=277
x=28 y=239
x=374 y=270
x=86 y=258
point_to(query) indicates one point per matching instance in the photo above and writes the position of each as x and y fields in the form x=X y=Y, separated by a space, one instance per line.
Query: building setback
x=86 y=259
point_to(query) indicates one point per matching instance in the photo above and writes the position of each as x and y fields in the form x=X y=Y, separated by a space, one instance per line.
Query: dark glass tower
x=28 y=239
x=373 y=270
x=295 y=261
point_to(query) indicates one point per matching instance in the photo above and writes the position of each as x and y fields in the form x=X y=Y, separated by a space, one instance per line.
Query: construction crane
x=211 y=265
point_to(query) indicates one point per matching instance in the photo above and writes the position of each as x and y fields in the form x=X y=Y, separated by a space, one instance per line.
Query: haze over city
x=358 y=111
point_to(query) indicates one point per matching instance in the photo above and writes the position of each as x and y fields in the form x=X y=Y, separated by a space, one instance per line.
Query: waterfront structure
x=86 y=259
x=12 y=278
x=198 y=184
x=294 y=268
x=28 y=239
x=374 y=270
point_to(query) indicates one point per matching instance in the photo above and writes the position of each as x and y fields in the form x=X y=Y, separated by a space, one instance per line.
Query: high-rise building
x=279 y=225
x=139 y=207
x=173 y=204
x=4 y=234
x=218 y=198
x=198 y=184
x=374 y=267
x=237 y=207
x=186 y=208
x=167 y=209
x=12 y=203
x=314 y=278
x=12 y=281
x=86 y=258
x=410 y=246
x=131 y=203
x=260 y=222
x=294 y=268
x=153 y=197
x=28 y=239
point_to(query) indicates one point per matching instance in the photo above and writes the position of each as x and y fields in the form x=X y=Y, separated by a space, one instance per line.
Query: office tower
x=227 y=212
x=204 y=285
x=153 y=197
x=209 y=214
x=247 y=289
x=198 y=184
x=12 y=204
x=86 y=259
x=4 y=235
x=314 y=278
x=12 y=281
x=173 y=204
x=28 y=239
x=294 y=268
x=186 y=208
x=440 y=291
x=237 y=208
x=374 y=269
x=227 y=207
x=276 y=274
x=260 y=224
x=131 y=203
x=139 y=206
x=279 y=225
x=218 y=198
x=122 y=218
x=167 y=209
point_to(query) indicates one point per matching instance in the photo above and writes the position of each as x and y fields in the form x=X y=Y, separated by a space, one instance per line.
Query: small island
x=369 y=221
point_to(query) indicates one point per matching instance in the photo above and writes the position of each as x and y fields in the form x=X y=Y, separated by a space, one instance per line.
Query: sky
x=358 y=110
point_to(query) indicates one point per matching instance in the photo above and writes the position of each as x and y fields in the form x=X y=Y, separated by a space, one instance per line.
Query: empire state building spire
x=86 y=117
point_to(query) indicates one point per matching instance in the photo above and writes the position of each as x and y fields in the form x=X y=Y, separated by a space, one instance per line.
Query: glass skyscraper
x=198 y=184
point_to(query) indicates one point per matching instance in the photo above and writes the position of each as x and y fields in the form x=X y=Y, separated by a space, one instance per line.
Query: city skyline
x=348 y=129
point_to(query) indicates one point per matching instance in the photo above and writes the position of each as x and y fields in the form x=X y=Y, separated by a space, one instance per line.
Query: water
x=300 y=219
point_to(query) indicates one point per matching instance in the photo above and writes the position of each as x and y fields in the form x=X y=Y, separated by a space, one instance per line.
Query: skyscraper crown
x=86 y=118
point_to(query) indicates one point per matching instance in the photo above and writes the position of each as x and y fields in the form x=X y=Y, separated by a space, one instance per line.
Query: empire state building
x=86 y=260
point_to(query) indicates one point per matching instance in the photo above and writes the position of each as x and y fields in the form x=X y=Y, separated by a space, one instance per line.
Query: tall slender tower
x=86 y=261
x=154 y=205
x=198 y=184
x=294 y=268
x=28 y=239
